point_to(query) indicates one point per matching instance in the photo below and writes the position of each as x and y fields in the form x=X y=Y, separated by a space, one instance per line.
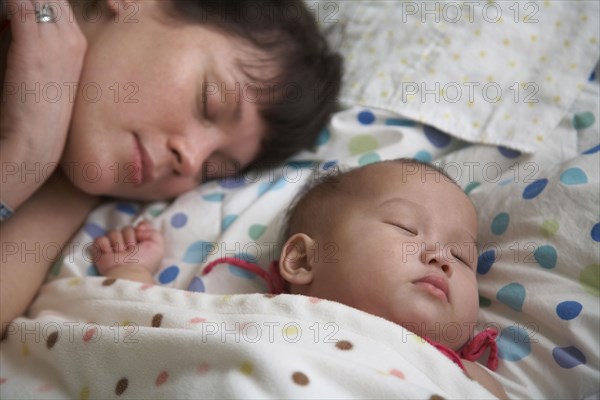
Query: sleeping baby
x=405 y=239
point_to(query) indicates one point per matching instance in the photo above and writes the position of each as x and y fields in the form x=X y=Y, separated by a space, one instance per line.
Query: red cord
x=275 y=282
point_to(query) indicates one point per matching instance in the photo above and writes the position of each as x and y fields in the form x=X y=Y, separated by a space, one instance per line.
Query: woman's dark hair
x=308 y=74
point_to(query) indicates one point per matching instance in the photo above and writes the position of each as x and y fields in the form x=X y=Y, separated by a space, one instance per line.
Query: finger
x=116 y=240
x=47 y=30
x=9 y=9
x=59 y=12
x=144 y=233
x=25 y=26
x=129 y=237
x=145 y=224
x=22 y=19
x=103 y=243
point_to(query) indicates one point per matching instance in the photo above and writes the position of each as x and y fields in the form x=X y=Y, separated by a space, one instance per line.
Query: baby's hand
x=140 y=246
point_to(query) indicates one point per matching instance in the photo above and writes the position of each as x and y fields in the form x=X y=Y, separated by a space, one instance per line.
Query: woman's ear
x=296 y=261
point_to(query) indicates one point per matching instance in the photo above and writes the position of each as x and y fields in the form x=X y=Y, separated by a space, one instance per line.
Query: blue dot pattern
x=573 y=176
x=513 y=343
x=179 y=220
x=127 y=208
x=568 y=357
x=485 y=261
x=438 y=138
x=92 y=271
x=512 y=295
x=198 y=252
x=366 y=117
x=593 y=150
x=232 y=183
x=595 y=233
x=500 y=223
x=197 y=285
x=329 y=165
x=508 y=153
x=568 y=309
x=546 y=256
x=323 y=137
x=368 y=158
x=400 y=122
x=533 y=190
x=169 y=274
x=423 y=155
x=227 y=221
x=216 y=197
x=94 y=230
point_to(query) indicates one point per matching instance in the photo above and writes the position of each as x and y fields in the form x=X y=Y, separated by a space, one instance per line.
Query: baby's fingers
x=103 y=243
x=144 y=231
x=116 y=240
x=129 y=237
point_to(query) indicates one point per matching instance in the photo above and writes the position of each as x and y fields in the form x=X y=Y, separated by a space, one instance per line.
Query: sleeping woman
x=143 y=100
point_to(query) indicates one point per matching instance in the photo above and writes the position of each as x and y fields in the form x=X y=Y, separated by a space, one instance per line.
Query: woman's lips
x=138 y=167
x=143 y=166
x=435 y=285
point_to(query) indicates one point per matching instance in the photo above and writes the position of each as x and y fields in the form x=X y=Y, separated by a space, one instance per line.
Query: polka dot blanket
x=103 y=338
x=496 y=72
x=538 y=271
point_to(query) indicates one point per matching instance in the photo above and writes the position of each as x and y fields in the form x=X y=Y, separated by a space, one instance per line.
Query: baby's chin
x=452 y=334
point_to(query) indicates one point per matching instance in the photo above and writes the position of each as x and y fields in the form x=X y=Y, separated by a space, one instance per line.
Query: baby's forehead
x=391 y=175
x=424 y=184
x=368 y=188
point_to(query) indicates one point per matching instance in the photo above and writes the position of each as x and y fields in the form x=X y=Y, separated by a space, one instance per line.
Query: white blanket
x=101 y=338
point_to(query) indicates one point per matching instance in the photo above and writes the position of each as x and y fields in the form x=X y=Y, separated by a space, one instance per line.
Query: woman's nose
x=432 y=254
x=189 y=154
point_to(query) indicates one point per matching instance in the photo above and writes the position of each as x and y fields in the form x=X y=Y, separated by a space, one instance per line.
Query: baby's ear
x=295 y=263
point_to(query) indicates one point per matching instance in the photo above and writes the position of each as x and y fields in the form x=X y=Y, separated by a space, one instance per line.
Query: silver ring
x=44 y=13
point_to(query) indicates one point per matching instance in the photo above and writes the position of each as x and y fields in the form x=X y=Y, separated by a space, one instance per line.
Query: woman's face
x=160 y=107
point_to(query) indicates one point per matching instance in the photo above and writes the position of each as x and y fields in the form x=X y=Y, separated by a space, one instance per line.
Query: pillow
x=501 y=73
x=539 y=262
x=539 y=268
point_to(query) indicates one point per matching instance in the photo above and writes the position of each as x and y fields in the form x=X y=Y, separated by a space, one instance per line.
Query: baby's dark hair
x=304 y=89
x=326 y=189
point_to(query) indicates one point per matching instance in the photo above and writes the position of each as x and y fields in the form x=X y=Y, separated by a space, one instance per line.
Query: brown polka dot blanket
x=97 y=338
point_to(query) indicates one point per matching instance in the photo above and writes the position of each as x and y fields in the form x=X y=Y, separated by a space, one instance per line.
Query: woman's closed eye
x=203 y=104
x=204 y=101
x=406 y=228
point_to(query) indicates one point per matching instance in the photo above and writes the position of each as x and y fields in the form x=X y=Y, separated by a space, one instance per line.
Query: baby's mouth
x=436 y=285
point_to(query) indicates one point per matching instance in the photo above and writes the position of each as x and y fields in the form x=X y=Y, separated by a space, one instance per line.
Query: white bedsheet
x=497 y=72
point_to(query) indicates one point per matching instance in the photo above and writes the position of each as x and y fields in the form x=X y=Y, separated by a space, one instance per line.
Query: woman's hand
x=43 y=66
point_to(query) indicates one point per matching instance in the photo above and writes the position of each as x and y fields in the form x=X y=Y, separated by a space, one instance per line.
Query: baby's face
x=405 y=250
